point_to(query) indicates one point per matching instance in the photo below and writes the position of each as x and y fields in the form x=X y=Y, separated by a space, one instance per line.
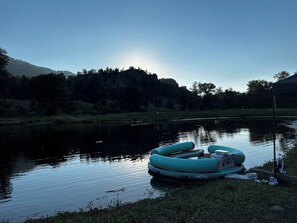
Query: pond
x=50 y=168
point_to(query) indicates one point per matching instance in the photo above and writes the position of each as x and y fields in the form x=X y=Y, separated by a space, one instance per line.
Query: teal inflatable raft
x=182 y=161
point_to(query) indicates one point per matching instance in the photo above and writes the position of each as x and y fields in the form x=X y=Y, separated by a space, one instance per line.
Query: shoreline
x=219 y=200
x=151 y=117
x=209 y=201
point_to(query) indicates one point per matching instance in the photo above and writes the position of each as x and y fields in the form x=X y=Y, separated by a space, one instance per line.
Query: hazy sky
x=225 y=42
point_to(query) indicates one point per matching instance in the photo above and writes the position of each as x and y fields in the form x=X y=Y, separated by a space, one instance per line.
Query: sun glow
x=138 y=60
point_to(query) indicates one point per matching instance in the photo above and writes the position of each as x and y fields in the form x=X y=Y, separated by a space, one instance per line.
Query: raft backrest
x=178 y=147
x=207 y=165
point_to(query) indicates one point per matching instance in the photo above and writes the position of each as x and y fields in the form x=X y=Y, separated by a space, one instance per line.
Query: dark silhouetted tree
x=51 y=91
x=281 y=75
x=5 y=77
x=20 y=88
x=195 y=88
x=202 y=89
x=3 y=59
x=259 y=92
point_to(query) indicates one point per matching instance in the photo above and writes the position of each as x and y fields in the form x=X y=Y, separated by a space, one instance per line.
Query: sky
x=224 y=42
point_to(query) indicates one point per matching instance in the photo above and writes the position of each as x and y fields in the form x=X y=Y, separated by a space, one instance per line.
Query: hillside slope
x=19 y=68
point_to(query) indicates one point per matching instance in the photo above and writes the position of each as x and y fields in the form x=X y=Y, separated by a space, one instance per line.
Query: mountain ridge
x=19 y=67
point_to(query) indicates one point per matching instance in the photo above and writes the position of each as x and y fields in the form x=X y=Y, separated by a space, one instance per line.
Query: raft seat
x=226 y=159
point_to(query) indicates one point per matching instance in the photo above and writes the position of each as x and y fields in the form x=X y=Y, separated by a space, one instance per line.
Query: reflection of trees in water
x=5 y=190
x=208 y=132
x=93 y=158
x=285 y=136
x=23 y=148
x=203 y=136
x=6 y=161
x=5 y=184
x=262 y=133
x=52 y=145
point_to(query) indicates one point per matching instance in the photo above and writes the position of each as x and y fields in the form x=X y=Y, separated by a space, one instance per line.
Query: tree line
x=113 y=90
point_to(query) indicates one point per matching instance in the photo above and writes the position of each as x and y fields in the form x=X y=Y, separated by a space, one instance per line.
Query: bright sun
x=139 y=60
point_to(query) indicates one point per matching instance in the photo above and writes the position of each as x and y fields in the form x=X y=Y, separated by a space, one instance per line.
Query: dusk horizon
x=226 y=43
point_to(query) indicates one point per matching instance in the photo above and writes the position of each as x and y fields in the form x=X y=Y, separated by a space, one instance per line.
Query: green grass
x=290 y=163
x=150 y=116
x=222 y=200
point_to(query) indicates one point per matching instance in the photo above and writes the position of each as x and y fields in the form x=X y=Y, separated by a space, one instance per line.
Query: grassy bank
x=290 y=163
x=222 y=200
x=217 y=201
x=149 y=116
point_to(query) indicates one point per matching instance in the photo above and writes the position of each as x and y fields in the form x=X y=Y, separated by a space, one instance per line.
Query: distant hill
x=19 y=68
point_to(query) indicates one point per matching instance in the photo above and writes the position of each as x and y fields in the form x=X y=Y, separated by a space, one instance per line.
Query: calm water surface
x=50 y=168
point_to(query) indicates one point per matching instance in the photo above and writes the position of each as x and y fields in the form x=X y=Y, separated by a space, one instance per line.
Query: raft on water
x=181 y=160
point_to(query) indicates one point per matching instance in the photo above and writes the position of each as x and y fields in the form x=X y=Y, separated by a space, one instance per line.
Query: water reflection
x=25 y=149
x=166 y=184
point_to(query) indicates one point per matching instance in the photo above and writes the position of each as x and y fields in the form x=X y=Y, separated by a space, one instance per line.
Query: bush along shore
x=221 y=200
